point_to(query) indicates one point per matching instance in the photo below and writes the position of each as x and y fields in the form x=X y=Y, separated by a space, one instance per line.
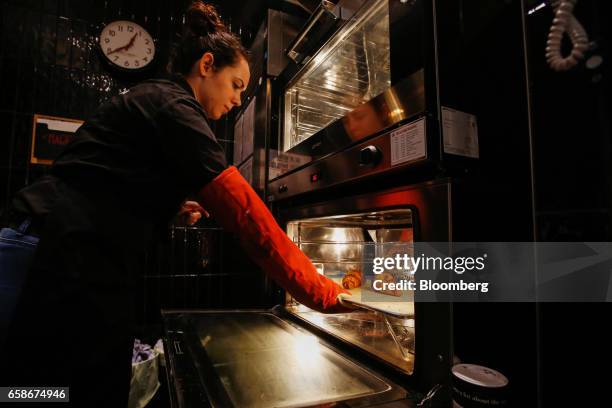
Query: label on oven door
x=408 y=143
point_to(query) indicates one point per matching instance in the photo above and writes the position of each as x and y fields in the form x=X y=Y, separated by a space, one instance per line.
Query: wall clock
x=127 y=45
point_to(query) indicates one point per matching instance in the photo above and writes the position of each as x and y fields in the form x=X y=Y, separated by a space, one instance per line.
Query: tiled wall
x=199 y=267
x=49 y=64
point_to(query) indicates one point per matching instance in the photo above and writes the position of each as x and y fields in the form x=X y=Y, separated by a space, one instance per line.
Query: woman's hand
x=191 y=212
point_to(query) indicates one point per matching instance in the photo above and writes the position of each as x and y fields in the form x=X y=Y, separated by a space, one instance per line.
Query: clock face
x=127 y=45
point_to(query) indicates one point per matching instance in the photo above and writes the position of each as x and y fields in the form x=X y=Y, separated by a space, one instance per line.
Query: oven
x=389 y=352
x=261 y=358
x=370 y=141
x=379 y=94
x=342 y=237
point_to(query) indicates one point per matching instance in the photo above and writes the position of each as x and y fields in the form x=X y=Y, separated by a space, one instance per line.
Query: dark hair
x=204 y=31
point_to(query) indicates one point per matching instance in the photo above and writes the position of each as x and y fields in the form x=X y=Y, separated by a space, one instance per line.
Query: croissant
x=352 y=279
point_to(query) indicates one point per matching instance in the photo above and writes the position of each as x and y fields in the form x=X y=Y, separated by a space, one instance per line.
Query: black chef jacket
x=128 y=169
x=147 y=148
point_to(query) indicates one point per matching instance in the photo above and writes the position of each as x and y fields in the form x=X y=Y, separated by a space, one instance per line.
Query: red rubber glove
x=238 y=209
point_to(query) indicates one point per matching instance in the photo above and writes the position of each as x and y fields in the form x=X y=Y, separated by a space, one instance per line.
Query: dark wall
x=50 y=64
x=481 y=52
x=571 y=132
x=542 y=348
x=573 y=183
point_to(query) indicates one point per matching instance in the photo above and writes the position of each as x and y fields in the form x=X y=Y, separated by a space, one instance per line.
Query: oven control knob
x=370 y=155
x=282 y=188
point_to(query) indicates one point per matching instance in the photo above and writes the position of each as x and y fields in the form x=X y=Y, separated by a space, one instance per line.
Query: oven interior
x=350 y=69
x=342 y=245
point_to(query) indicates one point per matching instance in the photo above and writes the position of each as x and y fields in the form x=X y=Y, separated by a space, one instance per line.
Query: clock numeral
x=130 y=29
x=147 y=42
x=145 y=59
x=136 y=63
x=116 y=58
x=148 y=51
x=107 y=40
x=111 y=33
x=109 y=49
x=120 y=28
x=126 y=63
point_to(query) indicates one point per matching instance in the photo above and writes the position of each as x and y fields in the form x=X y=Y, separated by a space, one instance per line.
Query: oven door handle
x=326 y=7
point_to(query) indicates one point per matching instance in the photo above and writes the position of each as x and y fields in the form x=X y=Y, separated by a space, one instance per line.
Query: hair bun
x=202 y=19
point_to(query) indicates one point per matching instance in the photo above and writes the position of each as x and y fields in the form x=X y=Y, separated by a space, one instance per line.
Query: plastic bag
x=145 y=378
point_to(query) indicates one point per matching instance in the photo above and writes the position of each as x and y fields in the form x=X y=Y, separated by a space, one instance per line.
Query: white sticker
x=460 y=133
x=408 y=142
x=60 y=125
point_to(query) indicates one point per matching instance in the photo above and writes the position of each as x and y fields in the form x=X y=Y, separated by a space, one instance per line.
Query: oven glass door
x=350 y=69
x=257 y=359
x=345 y=248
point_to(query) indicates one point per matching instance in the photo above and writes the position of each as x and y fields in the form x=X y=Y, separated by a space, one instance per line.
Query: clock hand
x=116 y=50
x=125 y=47
x=131 y=43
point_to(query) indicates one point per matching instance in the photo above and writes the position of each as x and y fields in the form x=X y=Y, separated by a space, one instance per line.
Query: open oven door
x=259 y=358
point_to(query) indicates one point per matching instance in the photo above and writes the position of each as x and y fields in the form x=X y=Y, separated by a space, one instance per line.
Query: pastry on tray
x=352 y=279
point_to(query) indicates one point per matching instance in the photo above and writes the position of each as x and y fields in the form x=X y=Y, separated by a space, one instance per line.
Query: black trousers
x=74 y=320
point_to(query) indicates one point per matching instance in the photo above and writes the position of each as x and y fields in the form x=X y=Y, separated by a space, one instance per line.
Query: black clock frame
x=127 y=72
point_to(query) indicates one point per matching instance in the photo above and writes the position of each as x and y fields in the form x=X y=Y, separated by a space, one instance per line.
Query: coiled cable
x=565 y=22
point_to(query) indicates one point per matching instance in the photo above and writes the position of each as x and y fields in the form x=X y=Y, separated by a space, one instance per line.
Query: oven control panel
x=404 y=145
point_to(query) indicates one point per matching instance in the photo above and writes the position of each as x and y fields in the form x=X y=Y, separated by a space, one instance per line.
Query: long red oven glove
x=238 y=209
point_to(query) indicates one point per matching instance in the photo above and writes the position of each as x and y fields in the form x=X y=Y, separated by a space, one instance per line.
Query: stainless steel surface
x=401 y=308
x=432 y=201
x=386 y=337
x=265 y=358
x=322 y=227
x=281 y=29
x=250 y=137
x=324 y=7
x=351 y=68
x=244 y=132
x=342 y=244
x=430 y=205
x=238 y=126
x=263 y=361
x=338 y=168
x=394 y=105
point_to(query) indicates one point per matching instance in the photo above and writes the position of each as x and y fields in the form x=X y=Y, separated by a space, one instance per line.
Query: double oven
x=365 y=140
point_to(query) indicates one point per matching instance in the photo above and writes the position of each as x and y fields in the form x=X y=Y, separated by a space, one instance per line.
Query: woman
x=129 y=169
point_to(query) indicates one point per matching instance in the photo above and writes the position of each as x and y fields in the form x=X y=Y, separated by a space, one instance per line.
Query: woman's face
x=219 y=90
x=362 y=121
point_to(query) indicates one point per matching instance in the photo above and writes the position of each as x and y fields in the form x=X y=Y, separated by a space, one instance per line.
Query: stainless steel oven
x=364 y=133
x=342 y=236
x=390 y=352
x=349 y=89
x=261 y=358
x=398 y=86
